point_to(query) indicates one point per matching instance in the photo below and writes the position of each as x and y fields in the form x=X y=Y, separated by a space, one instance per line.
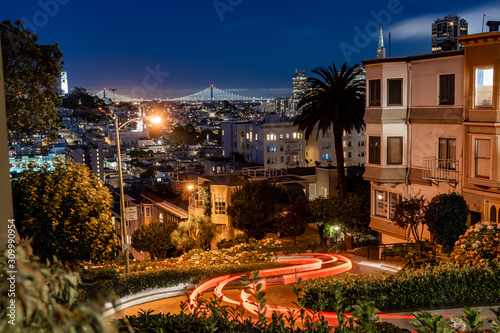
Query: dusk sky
x=251 y=47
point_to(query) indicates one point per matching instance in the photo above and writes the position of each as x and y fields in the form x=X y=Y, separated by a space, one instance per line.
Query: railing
x=261 y=172
x=402 y=249
x=441 y=169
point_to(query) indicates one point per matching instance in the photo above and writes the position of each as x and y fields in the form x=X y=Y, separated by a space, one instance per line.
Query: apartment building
x=481 y=154
x=279 y=144
x=414 y=132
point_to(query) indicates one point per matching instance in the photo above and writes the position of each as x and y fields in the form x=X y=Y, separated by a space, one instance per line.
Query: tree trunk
x=339 y=152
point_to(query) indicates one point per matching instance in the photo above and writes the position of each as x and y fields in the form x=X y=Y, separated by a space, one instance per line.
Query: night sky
x=252 y=47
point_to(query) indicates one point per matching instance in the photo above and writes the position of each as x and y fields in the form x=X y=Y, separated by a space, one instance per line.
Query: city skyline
x=250 y=48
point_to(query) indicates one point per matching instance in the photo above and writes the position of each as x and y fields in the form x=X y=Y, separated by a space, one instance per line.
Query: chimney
x=493 y=25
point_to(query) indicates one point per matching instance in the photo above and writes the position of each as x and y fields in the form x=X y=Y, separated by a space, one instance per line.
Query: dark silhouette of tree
x=335 y=99
x=409 y=214
x=293 y=221
x=31 y=73
x=446 y=217
x=253 y=207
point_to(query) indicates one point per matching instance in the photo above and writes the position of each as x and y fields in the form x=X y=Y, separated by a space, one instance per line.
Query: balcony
x=441 y=170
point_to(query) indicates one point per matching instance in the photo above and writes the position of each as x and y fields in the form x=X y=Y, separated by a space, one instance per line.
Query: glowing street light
x=126 y=246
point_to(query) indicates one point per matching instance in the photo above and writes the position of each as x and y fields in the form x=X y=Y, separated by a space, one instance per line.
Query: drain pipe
x=408 y=129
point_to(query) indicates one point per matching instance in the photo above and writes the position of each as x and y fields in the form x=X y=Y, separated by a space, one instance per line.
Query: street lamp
x=126 y=247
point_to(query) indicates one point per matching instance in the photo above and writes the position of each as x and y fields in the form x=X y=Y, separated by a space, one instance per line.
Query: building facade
x=448 y=29
x=414 y=132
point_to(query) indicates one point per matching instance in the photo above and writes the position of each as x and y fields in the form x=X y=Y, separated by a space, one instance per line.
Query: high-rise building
x=381 y=48
x=447 y=30
x=299 y=86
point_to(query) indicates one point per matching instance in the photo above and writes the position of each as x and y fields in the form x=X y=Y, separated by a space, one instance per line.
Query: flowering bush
x=243 y=253
x=480 y=243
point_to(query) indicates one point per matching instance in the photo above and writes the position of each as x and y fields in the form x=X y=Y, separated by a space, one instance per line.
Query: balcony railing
x=441 y=170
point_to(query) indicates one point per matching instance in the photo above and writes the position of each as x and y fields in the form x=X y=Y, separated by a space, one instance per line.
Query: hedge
x=99 y=284
x=435 y=286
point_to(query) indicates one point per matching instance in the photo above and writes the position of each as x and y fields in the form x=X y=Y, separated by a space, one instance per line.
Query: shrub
x=446 y=218
x=240 y=238
x=480 y=243
x=430 y=286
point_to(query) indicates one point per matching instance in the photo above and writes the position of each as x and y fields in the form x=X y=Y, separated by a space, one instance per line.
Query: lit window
x=256 y=137
x=248 y=136
x=482 y=158
x=381 y=203
x=287 y=135
x=447 y=153
x=267 y=137
x=281 y=136
x=219 y=204
x=484 y=86
x=294 y=135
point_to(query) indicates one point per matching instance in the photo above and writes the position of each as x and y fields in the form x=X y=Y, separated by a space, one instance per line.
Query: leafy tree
x=78 y=98
x=65 y=209
x=31 y=73
x=182 y=135
x=45 y=298
x=410 y=215
x=149 y=173
x=253 y=207
x=197 y=232
x=446 y=217
x=334 y=100
x=293 y=221
x=154 y=238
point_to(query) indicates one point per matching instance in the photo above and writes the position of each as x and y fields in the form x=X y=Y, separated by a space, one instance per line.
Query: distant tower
x=64 y=83
x=299 y=86
x=447 y=30
x=212 y=93
x=381 y=48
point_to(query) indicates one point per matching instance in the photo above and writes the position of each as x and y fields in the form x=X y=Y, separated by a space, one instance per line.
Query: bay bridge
x=209 y=94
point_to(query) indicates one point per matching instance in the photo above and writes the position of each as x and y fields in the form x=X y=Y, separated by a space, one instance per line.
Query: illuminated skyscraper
x=447 y=30
x=381 y=48
x=299 y=86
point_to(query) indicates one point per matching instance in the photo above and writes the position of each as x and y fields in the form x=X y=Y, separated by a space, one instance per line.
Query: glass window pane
x=374 y=92
x=374 y=149
x=484 y=86
x=482 y=158
x=381 y=203
x=447 y=89
x=394 y=92
x=395 y=150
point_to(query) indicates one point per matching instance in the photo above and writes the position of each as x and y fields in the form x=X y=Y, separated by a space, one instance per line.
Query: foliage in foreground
x=212 y=316
x=430 y=286
x=480 y=243
x=65 y=209
x=43 y=295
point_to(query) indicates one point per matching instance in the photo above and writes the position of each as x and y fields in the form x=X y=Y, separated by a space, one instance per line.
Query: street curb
x=146 y=296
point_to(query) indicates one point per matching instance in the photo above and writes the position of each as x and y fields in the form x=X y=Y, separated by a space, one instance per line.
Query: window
x=160 y=217
x=248 y=135
x=482 y=158
x=288 y=135
x=394 y=199
x=381 y=203
x=219 y=204
x=447 y=89
x=147 y=211
x=281 y=136
x=394 y=92
x=256 y=137
x=447 y=153
x=374 y=149
x=484 y=86
x=374 y=93
x=395 y=150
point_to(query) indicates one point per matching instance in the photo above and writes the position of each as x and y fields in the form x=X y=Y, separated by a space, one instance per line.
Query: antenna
x=389 y=44
x=482 y=27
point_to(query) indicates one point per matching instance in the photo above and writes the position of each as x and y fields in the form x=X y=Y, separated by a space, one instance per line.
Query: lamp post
x=126 y=246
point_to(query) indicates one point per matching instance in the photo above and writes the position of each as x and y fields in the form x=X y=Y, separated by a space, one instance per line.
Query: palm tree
x=334 y=100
